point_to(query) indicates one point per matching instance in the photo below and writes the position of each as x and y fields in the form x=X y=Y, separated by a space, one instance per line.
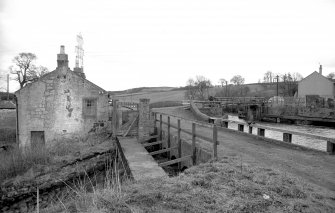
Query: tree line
x=199 y=87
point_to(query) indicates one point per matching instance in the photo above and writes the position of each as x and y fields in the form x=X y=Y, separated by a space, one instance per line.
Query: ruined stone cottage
x=60 y=104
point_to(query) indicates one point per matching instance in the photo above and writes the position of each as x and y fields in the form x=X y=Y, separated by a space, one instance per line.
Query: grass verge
x=16 y=162
x=224 y=186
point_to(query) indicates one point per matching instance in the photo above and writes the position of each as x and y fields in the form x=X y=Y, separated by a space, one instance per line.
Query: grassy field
x=228 y=185
x=154 y=96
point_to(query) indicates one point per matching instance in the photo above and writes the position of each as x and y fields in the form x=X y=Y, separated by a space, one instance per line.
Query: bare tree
x=40 y=71
x=289 y=85
x=202 y=84
x=198 y=88
x=268 y=77
x=223 y=82
x=24 y=69
x=237 y=80
x=296 y=77
x=331 y=75
x=191 y=91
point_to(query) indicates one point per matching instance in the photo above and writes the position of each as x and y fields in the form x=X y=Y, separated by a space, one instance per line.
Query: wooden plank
x=152 y=144
x=162 y=151
x=178 y=160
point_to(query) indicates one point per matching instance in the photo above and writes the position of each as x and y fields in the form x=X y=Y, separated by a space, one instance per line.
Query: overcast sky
x=135 y=43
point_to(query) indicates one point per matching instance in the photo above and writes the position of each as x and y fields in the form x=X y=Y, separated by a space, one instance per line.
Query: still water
x=296 y=139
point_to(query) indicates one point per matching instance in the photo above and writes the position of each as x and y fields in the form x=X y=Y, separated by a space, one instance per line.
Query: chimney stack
x=320 y=69
x=62 y=58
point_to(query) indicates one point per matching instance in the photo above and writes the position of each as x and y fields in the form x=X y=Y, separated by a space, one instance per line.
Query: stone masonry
x=55 y=105
x=145 y=124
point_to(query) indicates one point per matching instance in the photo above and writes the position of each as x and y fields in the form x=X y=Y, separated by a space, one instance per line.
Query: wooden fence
x=178 y=147
x=287 y=134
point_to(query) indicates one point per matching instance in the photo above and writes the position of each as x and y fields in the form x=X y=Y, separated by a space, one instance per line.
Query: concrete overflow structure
x=60 y=104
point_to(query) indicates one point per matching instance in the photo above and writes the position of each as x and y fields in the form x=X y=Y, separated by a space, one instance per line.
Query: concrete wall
x=316 y=84
x=54 y=104
x=198 y=113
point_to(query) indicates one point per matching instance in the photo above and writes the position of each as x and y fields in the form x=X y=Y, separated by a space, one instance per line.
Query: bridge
x=186 y=142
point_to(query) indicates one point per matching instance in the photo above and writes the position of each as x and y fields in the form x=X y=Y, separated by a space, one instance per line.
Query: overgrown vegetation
x=7 y=136
x=17 y=161
x=224 y=186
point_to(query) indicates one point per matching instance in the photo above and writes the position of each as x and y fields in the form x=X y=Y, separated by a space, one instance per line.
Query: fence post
x=160 y=127
x=330 y=147
x=194 y=152
x=179 y=143
x=215 y=147
x=155 y=117
x=168 y=138
x=114 y=117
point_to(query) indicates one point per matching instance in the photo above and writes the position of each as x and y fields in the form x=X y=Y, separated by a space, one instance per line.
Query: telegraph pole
x=7 y=86
x=277 y=84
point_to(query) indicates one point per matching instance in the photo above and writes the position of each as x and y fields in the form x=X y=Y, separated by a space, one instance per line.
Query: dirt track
x=312 y=166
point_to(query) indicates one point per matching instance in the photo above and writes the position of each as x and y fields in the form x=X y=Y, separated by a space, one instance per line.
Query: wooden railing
x=193 y=134
x=130 y=105
x=287 y=134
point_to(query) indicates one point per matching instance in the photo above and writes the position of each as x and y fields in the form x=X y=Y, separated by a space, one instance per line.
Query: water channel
x=296 y=139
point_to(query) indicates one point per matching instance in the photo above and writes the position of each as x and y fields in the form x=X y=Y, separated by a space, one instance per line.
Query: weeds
x=210 y=187
x=90 y=195
x=16 y=161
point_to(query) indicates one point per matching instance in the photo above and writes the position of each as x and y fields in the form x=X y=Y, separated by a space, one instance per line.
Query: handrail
x=213 y=140
x=189 y=132
x=332 y=140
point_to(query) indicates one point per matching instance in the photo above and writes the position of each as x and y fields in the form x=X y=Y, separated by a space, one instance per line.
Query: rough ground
x=311 y=166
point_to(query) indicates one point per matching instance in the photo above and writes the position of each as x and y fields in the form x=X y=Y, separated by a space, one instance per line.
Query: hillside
x=161 y=94
x=154 y=96
x=142 y=90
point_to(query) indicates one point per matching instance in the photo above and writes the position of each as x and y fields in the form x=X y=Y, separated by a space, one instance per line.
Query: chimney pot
x=320 y=69
x=62 y=49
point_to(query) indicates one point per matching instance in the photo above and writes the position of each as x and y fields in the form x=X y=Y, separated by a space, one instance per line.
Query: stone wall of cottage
x=54 y=104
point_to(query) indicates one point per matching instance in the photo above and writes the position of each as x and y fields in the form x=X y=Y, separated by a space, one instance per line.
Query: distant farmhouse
x=61 y=104
x=317 y=89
